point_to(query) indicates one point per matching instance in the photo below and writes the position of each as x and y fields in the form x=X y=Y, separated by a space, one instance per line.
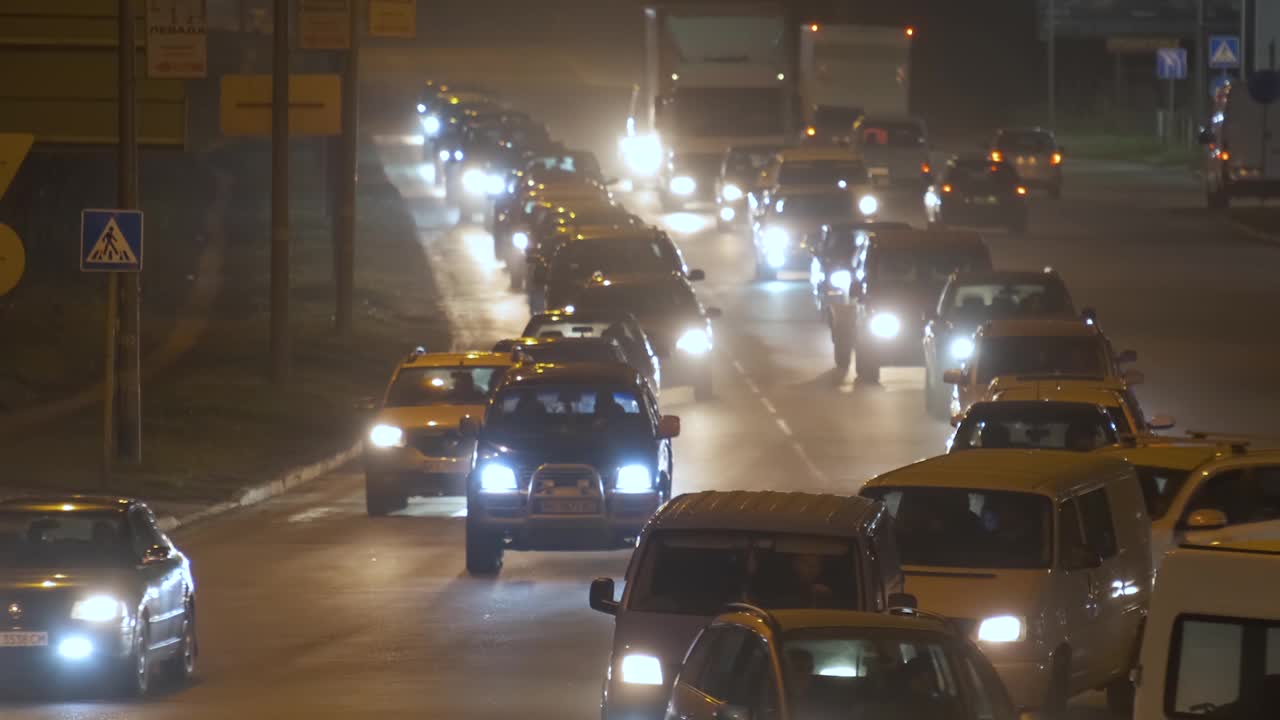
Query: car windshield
x=744 y=161
x=571 y=163
x=959 y=527
x=698 y=572
x=617 y=255
x=872 y=673
x=1049 y=425
x=64 y=540
x=641 y=300
x=551 y=410
x=981 y=176
x=449 y=385
x=897 y=135
x=1053 y=355
x=1159 y=487
x=823 y=172
x=1025 y=142
x=600 y=215
x=925 y=266
x=574 y=352
x=976 y=303
x=827 y=205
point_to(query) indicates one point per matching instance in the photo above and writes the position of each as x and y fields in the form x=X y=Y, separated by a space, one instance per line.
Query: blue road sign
x=111 y=240
x=1171 y=63
x=1224 y=52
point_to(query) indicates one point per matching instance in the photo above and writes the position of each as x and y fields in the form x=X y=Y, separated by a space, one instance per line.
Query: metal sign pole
x=1171 y=125
x=349 y=147
x=280 y=196
x=129 y=420
x=1053 y=77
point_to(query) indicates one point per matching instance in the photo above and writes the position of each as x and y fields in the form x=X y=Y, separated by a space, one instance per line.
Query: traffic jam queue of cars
x=1008 y=574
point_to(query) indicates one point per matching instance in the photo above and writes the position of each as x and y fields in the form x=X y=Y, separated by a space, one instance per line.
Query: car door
x=1249 y=497
x=1115 y=586
x=160 y=569
x=1075 y=604
x=706 y=674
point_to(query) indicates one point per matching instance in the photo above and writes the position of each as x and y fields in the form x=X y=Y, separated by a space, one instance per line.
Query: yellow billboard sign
x=315 y=105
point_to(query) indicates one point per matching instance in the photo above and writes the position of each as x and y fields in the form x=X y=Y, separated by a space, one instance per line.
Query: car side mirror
x=714 y=313
x=903 y=600
x=1081 y=558
x=1127 y=356
x=697 y=276
x=1089 y=315
x=1134 y=377
x=601 y=596
x=733 y=712
x=669 y=427
x=1161 y=422
x=955 y=377
x=155 y=554
x=468 y=428
x=1206 y=519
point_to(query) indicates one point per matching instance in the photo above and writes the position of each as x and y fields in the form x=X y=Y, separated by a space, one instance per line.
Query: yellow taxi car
x=1112 y=394
x=413 y=446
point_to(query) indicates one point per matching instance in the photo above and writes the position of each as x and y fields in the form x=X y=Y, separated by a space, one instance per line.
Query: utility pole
x=344 y=230
x=1201 y=84
x=1053 y=76
x=129 y=418
x=280 y=350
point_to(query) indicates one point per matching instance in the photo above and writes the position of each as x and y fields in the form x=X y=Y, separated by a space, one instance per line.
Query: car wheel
x=1055 y=702
x=484 y=550
x=842 y=344
x=702 y=389
x=135 y=673
x=380 y=501
x=182 y=666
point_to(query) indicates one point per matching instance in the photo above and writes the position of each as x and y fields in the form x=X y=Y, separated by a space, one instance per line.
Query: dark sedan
x=91 y=587
x=620 y=327
x=975 y=191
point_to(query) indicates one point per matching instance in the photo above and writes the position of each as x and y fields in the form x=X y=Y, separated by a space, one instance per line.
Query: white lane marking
x=768 y=405
x=460 y=513
x=784 y=427
x=311 y=515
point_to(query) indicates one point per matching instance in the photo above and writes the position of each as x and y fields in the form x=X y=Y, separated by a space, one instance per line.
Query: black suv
x=975 y=191
x=568 y=457
x=896 y=278
x=612 y=249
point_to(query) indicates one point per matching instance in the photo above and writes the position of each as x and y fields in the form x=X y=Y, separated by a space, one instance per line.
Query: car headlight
x=727 y=214
x=1002 y=629
x=494 y=184
x=694 y=342
x=868 y=204
x=386 y=436
x=475 y=181
x=961 y=348
x=497 y=478
x=640 y=670
x=642 y=154
x=633 y=479
x=443 y=155
x=431 y=125
x=776 y=238
x=458 y=155
x=731 y=193
x=841 y=279
x=75 y=647
x=421 y=108
x=520 y=240
x=885 y=325
x=683 y=185
x=98 y=609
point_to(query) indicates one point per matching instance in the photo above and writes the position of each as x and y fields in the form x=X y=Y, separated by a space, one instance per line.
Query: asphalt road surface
x=308 y=608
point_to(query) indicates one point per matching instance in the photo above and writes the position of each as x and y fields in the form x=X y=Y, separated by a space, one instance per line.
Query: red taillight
x=910 y=31
x=1224 y=155
x=1056 y=158
x=997 y=156
x=1021 y=190
x=924 y=168
x=811 y=131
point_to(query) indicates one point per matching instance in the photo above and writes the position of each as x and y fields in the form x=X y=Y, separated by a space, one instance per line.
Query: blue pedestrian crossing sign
x=1171 y=63
x=1224 y=52
x=111 y=240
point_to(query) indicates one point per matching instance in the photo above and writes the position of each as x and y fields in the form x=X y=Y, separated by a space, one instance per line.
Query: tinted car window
x=1095 y=513
x=1159 y=487
x=1025 y=142
x=639 y=299
x=617 y=255
x=549 y=410
x=1223 y=667
x=826 y=205
x=995 y=301
x=574 y=352
x=823 y=172
x=451 y=385
x=981 y=176
x=1055 y=426
x=928 y=266
x=1041 y=355
x=64 y=540
x=957 y=527
x=1247 y=495
x=698 y=573
x=744 y=161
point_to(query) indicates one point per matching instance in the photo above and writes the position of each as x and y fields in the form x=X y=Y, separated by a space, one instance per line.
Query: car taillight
x=946 y=188
x=1021 y=190
x=997 y=156
x=1056 y=158
x=925 y=169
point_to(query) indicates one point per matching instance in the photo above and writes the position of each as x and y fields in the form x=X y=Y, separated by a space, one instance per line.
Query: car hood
x=666 y=636
x=975 y=594
x=444 y=416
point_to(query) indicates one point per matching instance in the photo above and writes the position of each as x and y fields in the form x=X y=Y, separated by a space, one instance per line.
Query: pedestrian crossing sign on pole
x=111 y=240
x=1224 y=52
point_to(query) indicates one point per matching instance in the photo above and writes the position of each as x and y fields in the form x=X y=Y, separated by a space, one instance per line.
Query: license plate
x=24 y=639
x=568 y=507
x=443 y=467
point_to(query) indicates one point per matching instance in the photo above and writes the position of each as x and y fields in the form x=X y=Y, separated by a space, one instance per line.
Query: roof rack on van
x=923 y=615
x=1239 y=442
x=747 y=608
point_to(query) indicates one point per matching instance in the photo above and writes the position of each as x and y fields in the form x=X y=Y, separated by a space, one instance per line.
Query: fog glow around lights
x=421 y=108
x=841 y=279
x=1001 y=629
x=727 y=214
x=431 y=125
x=385 y=436
x=443 y=155
x=75 y=647
x=885 y=326
x=475 y=181
x=634 y=479
x=694 y=342
x=731 y=193
x=97 y=609
x=868 y=204
x=520 y=240
x=683 y=185
x=497 y=478
x=776 y=239
x=961 y=348
x=641 y=670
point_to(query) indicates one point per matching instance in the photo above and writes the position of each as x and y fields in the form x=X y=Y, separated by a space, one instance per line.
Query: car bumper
x=107 y=649
x=902 y=350
x=410 y=472
x=522 y=519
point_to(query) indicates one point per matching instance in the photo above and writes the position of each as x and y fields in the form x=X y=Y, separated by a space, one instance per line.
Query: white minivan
x=1212 y=646
x=1042 y=555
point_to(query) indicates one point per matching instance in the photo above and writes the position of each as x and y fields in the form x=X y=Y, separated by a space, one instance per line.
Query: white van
x=1242 y=156
x=1042 y=555
x=1212 y=646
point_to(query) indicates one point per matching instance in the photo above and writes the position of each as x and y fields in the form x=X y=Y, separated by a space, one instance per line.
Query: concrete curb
x=253 y=495
x=1255 y=233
